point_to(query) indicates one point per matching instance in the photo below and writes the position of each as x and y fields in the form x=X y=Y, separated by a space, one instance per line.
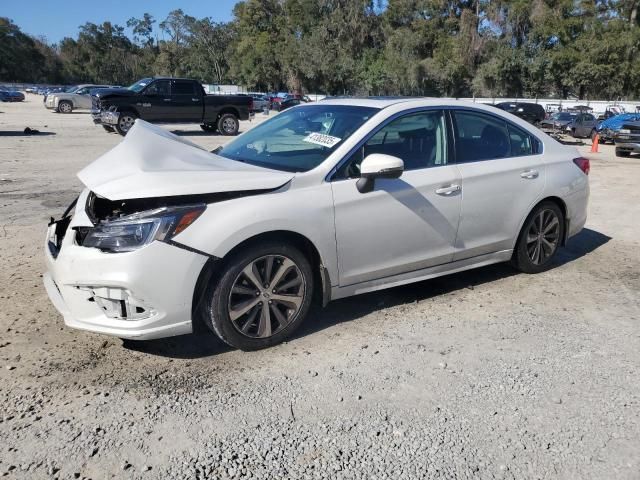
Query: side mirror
x=378 y=165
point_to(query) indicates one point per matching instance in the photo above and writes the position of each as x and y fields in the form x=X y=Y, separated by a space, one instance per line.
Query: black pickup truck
x=169 y=100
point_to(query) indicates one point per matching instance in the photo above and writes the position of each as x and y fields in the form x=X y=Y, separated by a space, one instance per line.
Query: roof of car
x=383 y=102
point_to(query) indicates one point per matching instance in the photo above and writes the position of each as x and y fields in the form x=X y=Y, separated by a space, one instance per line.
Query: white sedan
x=321 y=202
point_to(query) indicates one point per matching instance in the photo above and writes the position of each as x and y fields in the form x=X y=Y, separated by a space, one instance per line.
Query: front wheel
x=261 y=297
x=539 y=239
x=125 y=122
x=65 y=106
x=228 y=124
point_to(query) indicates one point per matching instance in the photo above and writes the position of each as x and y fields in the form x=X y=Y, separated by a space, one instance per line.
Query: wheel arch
x=563 y=208
x=227 y=109
x=214 y=266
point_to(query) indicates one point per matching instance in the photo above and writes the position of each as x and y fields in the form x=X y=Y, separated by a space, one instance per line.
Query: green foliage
x=590 y=49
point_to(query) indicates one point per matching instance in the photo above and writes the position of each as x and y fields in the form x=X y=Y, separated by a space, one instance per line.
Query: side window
x=159 y=87
x=183 y=88
x=82 y=91
x=480 y=137
x=520 y=142
x=418 y=139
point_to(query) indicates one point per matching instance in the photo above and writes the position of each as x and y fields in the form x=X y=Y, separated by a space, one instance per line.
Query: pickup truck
x=169 y=100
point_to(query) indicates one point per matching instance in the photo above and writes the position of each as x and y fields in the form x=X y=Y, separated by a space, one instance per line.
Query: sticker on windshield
x=322 y=139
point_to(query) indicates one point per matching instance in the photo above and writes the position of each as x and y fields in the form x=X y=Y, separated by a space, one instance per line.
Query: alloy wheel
x=229 y=125
x=64 y=107
x=266 y=296
x=126 y=122
x=543 y=236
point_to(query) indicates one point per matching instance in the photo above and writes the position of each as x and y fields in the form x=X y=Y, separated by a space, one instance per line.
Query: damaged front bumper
x=142 y=294
x=109 y=117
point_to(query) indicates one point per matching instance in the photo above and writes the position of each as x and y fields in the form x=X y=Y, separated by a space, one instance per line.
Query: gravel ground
x=484 y=374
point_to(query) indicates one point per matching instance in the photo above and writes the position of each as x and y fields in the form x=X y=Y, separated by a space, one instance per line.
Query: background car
x=288 y=103
x=75 y=98
x=260 y=101
x=608 y=128
x=583 y=125
x=558 y=121
x=533 y=113
x=627 y=139
x=11 y=96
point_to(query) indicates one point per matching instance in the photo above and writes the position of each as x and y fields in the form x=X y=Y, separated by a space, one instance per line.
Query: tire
x=264 y=320
x=228 y=124
x=534 y=253
x=125 y=122
x=108 y=128
x=622 y=153
x=209 y=127
x=65 y=106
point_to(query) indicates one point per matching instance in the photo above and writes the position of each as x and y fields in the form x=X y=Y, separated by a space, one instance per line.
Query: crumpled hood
x=152 y=162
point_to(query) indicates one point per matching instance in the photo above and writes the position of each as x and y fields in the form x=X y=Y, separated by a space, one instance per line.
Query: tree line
x=457 y=48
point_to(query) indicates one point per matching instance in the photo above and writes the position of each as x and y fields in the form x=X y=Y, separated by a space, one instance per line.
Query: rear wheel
x=622 y=153
x=64 y=106
x=539 y=239
x=228 y=124
x=262 y=296
x=209 y=127
x=125 y=122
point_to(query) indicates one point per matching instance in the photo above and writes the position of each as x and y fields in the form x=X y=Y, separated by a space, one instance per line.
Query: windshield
x=140 y=84
x=299 y=139
x=563 y=116
x=72 y=89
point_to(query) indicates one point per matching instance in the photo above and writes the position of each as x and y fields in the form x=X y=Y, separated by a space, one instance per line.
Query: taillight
x=583 y=164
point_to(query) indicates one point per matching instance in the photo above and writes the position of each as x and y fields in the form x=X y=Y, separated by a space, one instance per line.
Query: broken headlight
x=131 y=232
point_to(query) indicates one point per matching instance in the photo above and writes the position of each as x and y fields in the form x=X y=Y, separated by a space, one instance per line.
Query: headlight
x=135 y=231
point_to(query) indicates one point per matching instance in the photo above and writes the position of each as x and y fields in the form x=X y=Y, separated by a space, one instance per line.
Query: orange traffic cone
x=595 y=143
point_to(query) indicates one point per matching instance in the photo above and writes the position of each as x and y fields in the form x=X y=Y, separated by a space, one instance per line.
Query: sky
x=56 y=19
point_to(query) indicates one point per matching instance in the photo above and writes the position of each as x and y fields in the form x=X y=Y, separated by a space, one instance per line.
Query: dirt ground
x=483 y=374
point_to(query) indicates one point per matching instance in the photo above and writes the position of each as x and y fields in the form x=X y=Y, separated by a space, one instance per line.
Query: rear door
x=186 y=101
x=154 y=103
x=503 y=177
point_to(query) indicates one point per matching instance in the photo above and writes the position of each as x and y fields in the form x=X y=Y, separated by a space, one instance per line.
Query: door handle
x=195 y=99
x=529 y=174
x=449 y=190
x=167 y=99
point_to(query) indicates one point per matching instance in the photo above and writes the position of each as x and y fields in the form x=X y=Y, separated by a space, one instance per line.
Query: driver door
x=155 y=102
x=404 y=224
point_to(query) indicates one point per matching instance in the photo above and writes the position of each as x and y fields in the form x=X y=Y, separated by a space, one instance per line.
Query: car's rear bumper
x=144 y=294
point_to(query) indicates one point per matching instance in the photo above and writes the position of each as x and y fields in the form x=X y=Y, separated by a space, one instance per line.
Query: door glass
x=418 y=139
x=520 y=142
x=159 y=87
x=480 y=137
x=183 y=88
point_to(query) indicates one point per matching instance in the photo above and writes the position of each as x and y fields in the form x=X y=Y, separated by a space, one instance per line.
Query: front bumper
x=155 y=283
x=627 y=143
x=50 y=102
x=109 y=118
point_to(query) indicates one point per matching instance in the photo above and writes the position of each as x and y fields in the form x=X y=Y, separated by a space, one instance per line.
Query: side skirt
x=419 y=275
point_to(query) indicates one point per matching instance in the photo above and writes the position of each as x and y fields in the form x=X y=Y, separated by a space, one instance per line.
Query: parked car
x=608 y=128
x=260 y=102
x=627 y=139
x=558 y=122
x=583 y=125
x=169 y=100
x=75 y=98
x=11 y=96
x=324 y=201
x=533 y=113
x=288 y=103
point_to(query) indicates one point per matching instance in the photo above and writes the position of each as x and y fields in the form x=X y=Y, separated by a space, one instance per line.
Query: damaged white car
x=321 y=202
